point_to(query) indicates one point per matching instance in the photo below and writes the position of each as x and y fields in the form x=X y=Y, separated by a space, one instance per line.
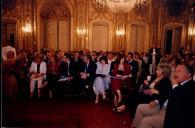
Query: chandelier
x=100 y=5
x=121 y=5
x=114 y=5
x=27 y=22
x=140 y=7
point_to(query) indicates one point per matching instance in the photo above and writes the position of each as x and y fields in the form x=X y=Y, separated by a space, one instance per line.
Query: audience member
x=101 y=81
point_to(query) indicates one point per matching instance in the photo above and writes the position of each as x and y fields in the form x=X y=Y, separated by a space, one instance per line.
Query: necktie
x=67 y=67
x=86 y=68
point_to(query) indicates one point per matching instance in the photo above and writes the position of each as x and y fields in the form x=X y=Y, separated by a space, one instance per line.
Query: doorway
x=172 y=39
x=138 y=37
x=12 y=39
x=100 y=36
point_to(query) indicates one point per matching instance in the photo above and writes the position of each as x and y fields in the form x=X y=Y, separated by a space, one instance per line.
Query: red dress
x=118 y=83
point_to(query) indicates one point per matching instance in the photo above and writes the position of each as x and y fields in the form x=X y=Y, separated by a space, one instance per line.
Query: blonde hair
x=165 y=68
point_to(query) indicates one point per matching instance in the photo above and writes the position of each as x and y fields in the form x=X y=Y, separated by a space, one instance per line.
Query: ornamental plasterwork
x=93 y=14
x=183 y=18
x=14 y=12
x=132 y=17
x=59 y=13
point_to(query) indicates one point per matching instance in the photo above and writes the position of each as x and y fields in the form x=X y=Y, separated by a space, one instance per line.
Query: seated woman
x=101 y=80
x=157 y=90
x=52 y=74
x=121 y=74
x=38 y=70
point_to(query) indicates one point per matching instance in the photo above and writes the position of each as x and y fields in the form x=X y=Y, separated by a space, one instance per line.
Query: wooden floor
x=66 y=113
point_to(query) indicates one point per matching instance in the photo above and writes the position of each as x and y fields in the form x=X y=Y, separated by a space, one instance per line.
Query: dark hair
x=120 y=57
x=38 y=56
x=55 y=57
x=189 y=68
x=88 y=57
x=131 y=54
x=67 y=55
x=104 y=58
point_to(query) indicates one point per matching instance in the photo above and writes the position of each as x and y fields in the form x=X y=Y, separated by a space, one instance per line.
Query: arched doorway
x=54 y=26
x=9 y=31
x=100 y=35
x=172 y=38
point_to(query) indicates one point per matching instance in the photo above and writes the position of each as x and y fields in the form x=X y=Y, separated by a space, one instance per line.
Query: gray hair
x=165 y=68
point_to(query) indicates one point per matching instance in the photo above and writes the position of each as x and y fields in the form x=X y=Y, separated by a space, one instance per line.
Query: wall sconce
x=120 y=33
x=191 y=31
x=27 y=28
x=81 y=31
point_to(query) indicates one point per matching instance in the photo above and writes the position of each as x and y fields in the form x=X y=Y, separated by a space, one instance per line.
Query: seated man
x=87 y=73
x=67 y=70
x=38 y=70
x=177 y=111
x=180 y=107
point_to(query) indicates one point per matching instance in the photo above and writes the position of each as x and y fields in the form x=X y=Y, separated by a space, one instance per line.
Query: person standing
x=154 y=58
x=6 y=49
x=134 y=67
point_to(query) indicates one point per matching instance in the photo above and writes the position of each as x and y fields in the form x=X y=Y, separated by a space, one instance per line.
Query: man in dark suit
x=181 y=104
x=67 y=69
x=87 y=73
x=134 y=68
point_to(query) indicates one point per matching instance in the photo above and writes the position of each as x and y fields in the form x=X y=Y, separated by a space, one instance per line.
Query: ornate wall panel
x=64 y=35
x=52 y=38
x=100 y=36
x=139 y=37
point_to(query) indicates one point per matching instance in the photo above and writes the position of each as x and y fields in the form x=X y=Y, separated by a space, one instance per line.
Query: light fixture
x=27 y=26
x=121 y=5
x=120 y=33
x=191 y=30
x=140 y=8
x=100 y=5
x=114 y=5
x=81 y=31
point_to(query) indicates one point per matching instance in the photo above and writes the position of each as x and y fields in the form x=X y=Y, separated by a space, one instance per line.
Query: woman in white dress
x=38 y=70
x=102 y=78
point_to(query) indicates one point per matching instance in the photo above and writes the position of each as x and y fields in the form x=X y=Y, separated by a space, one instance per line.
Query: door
x=172 y=41
x=138 y=38
x=100 y=37
x=168 y=41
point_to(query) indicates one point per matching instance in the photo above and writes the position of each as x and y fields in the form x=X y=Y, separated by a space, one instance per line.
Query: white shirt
x=43 y=67
x=102 y=69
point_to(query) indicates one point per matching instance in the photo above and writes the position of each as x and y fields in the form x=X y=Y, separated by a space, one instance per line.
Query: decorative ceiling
x=176 y=7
